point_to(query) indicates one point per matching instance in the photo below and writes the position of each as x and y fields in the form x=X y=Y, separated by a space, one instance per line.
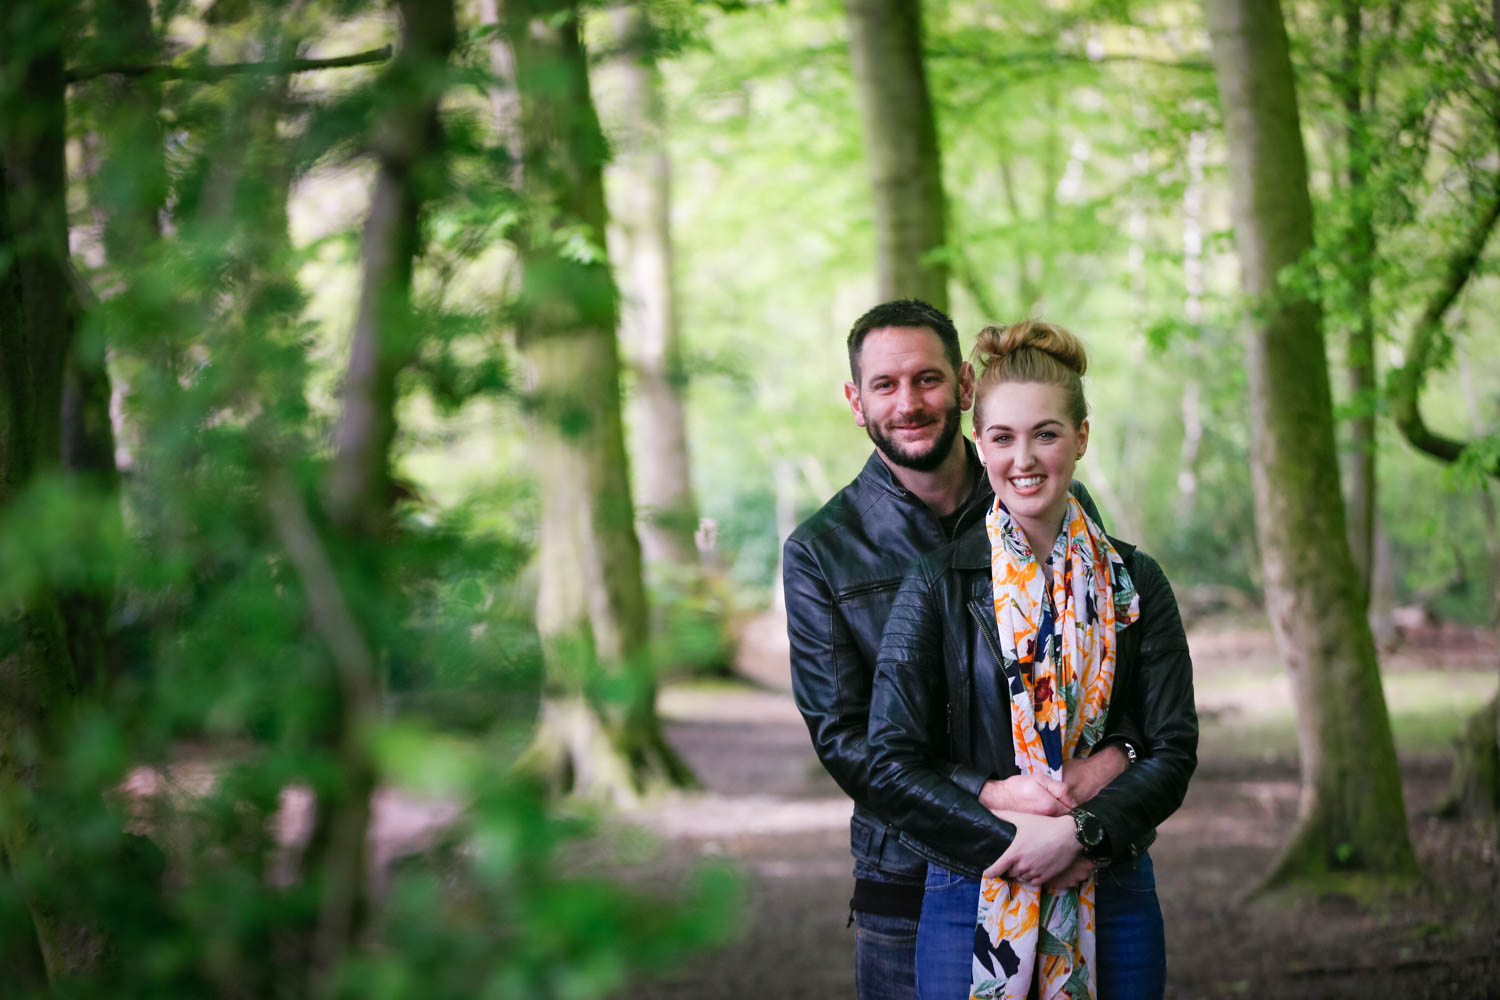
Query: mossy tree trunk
x=1351 y=817
x=599 y=733
x=895 y=108
x=1359 y=246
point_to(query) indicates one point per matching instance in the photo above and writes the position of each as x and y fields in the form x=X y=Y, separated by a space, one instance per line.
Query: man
x=841 y=569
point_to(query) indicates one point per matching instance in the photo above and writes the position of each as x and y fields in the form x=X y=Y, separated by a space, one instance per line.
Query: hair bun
x=995 y=343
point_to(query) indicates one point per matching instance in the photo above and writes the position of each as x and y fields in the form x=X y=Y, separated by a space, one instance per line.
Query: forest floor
x=769 y=811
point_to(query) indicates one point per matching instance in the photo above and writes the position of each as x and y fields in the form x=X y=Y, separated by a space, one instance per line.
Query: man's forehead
x=902 y=347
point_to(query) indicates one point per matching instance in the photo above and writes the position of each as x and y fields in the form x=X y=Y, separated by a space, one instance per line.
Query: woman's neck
x=1041 y=534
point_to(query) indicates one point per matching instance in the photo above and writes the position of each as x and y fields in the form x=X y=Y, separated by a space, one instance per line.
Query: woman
x=1008 y=653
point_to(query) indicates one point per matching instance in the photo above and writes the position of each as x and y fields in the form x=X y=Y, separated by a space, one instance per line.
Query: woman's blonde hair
x=1031 y=351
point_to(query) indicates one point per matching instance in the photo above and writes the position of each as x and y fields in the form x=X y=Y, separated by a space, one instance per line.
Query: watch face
x=1090 y=830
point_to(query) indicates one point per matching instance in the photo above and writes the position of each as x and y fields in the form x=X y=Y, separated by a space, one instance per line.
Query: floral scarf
x=1058 y=658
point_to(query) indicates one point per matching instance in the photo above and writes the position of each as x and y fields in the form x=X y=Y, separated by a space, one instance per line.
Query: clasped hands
x=1045 y=849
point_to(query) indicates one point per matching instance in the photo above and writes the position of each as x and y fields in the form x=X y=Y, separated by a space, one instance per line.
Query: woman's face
x=1029 y=446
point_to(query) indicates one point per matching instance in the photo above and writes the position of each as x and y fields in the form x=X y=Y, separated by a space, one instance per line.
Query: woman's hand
x=1027 y=793
x=1043 y=848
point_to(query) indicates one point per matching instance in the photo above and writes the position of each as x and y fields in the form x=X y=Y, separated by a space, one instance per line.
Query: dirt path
x=773 y=813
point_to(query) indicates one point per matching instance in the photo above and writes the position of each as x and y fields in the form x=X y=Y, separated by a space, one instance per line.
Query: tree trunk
x=1192 y=312
x=1359 y=263
x=130 y=195
x=38 y=319
x=408 y=142
x=1351 y=818
x=406 y=145
x=666 y=512
x=1474 y=783
x=591 y=604
x=885 y=44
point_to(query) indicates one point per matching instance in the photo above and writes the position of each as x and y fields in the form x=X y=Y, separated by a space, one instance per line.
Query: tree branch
x=1055 y=57
x=280 y=67
x=1422 y=345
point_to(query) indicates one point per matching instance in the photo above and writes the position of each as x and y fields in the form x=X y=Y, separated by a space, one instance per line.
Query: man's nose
x=907 y=399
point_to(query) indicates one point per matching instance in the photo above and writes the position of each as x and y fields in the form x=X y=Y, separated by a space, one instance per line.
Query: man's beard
x=924 y=461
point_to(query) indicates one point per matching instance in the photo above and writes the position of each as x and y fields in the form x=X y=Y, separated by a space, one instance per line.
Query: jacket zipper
x=979 y=617
x=865 y=589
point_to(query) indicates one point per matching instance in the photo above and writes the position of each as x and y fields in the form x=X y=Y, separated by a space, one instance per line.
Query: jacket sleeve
x=910 y=779
x=830 y=688
x=830 y=683
x=1160 y=693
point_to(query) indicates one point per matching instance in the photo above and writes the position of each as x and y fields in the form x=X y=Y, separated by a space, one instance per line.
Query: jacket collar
x=971 y=550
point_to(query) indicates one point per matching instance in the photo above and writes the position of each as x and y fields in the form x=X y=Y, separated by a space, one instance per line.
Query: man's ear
x=965 y=385
x=851 y=393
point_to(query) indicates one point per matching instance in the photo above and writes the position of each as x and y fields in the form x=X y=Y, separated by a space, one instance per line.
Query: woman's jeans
x=1131 y=946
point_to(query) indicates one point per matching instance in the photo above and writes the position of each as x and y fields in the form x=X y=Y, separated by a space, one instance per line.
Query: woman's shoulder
x=1132 y=554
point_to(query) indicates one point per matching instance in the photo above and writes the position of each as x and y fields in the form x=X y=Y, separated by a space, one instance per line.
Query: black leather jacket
x=841 y=569
x=938 y=685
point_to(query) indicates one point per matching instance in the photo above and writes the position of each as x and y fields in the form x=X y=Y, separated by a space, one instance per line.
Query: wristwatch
x=1091 y=834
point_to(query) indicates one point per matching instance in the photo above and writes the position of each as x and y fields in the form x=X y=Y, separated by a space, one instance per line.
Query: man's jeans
x=885 y=947
x=1131 y=946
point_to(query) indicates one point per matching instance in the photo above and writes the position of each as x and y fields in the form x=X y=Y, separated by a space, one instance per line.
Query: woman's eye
x=1046 y=435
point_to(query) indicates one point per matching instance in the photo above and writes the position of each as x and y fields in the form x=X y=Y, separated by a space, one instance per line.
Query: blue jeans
x=1131 y=945
x=885 y=947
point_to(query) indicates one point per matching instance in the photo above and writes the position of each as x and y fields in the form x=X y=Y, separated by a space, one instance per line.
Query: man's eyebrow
x=934 y=370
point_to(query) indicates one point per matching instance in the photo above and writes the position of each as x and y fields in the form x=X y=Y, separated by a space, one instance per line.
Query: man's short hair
x=904 y=312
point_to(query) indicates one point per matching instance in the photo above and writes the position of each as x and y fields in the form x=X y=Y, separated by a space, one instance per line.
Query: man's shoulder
x=842 y=510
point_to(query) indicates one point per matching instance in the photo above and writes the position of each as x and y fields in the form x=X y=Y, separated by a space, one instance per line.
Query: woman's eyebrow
x=1006 y=427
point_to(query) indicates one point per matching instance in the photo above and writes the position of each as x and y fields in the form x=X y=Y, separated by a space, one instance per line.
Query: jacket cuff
x=1128 y=742
x=968 y=779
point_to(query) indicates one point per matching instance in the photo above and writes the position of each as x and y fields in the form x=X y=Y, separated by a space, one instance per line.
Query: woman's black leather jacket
x=941 y=642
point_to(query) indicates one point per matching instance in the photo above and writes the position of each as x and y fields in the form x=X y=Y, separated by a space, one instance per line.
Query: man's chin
x=924 y=459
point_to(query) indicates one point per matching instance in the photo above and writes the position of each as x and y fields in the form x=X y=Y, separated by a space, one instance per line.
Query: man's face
x=909 y=397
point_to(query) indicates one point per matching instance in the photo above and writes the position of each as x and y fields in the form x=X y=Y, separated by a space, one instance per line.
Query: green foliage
x=172 y=833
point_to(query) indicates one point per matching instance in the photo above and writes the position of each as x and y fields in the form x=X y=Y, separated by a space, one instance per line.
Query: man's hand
x=1027 y=793
x=1087 y=776
x=1071 y=876
x=1044 y=847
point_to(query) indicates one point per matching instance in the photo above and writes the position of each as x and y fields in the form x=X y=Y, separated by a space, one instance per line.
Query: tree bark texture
x=1351 y=818
x=591 y=603
x=666 y=512
x=885 y=45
